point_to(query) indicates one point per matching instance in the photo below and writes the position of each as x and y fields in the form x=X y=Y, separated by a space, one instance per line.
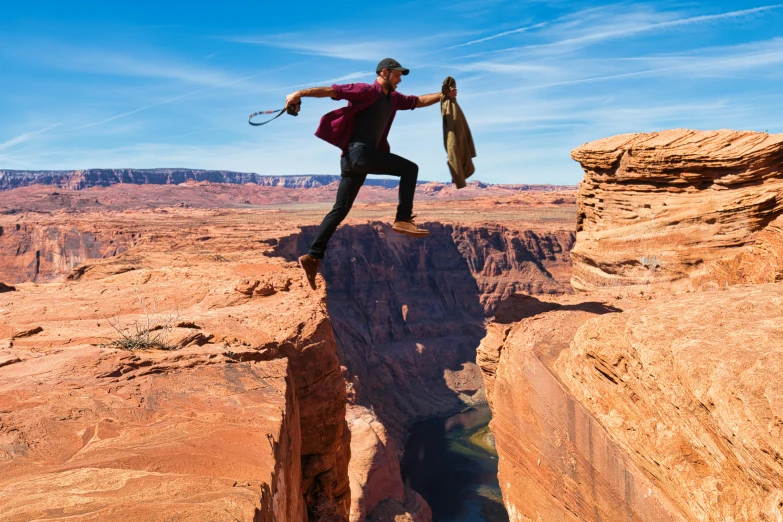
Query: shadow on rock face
x=517 y=307
x=407 y=318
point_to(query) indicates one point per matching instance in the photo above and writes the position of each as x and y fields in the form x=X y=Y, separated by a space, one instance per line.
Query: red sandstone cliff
x=407 y=315
x=244 y=420
x=41 y=253
x=654 y=399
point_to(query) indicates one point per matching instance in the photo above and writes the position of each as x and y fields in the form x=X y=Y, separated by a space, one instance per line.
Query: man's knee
x=412 y=170
x=341 y=212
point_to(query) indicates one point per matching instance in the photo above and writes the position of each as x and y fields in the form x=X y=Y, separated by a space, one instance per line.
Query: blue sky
x=119 y=84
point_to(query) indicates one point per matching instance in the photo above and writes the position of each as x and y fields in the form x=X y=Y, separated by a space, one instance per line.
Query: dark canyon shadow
x=407 y=317
x=404 y=311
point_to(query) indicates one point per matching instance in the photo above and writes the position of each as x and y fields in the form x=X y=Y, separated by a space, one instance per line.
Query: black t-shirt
x=370 y=123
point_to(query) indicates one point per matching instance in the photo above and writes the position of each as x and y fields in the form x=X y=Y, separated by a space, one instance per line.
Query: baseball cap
x=392 y=65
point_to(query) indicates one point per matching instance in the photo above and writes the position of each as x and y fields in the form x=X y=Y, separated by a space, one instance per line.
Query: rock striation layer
x=82 y=179
x=409 y=314
x=556 y=461
x=664 y=207
x=36 y=252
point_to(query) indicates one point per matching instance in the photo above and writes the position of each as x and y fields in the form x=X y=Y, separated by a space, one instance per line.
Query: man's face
x=392 y=77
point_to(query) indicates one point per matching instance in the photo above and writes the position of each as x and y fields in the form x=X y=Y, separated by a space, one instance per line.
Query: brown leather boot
x=408 y=227
x=310 y=267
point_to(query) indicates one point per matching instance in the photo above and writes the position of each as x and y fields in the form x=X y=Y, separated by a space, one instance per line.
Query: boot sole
x=411 y=233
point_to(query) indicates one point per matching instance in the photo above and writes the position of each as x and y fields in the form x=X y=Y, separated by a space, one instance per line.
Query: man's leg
x=369 y=161
x=346 y=194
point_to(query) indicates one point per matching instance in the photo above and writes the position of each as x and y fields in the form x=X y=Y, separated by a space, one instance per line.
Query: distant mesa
x=83 y=179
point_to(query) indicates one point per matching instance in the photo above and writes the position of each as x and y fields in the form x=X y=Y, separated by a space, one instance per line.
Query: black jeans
x=359 y=161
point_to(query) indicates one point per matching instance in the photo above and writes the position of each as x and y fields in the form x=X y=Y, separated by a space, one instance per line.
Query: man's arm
x=314 y=92
x=426 y=100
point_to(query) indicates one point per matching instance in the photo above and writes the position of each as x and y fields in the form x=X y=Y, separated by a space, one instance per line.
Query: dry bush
x=152 y=331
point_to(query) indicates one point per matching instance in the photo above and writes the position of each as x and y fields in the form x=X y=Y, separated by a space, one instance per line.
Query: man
x=361 y=131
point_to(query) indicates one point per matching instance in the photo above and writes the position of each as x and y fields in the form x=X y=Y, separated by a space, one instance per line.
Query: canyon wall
x=33 y=252
x=651 y=395
x=83 y=179
x=408 y=316
x=243 y=417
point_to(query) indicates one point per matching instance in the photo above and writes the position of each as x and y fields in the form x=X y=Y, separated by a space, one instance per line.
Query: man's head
x=390 y=73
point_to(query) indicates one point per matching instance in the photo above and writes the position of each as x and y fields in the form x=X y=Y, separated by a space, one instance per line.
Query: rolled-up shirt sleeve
x=403 y=102
x=353 y=92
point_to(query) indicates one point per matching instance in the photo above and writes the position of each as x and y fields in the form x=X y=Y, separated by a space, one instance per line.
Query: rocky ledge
x=237 y=413
x=667 y=206
x=653 y=394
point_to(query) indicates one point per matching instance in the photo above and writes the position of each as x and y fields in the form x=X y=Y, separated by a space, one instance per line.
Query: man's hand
x=293 y=99
x=426 y=100
x=315 y=92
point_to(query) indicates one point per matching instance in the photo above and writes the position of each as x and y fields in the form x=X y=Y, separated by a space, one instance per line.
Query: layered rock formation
x=556 y=461
x=243 y=420
x=83 y=179
x=654 y=398
x=639 y=409
x=666 y=206
x=40 y=253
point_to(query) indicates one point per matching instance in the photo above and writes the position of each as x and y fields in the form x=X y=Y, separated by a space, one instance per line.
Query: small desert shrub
x=152 y=331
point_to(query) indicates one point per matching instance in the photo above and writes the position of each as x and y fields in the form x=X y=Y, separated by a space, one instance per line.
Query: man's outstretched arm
x=314 y=92
x=426 y=100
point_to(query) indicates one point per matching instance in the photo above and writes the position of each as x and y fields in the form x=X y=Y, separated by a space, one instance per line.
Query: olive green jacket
x=456 y=137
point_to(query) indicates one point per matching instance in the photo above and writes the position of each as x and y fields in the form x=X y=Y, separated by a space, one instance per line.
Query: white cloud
x=500 y=35
x=26 y=136
x=63 y=56
x=305 y=44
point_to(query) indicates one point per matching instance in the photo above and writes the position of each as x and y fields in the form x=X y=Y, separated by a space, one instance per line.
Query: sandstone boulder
x=666 y=206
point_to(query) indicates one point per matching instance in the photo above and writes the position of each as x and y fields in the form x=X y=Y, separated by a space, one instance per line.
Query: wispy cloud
x=176 y=98
x=64 y=56
x=631 y=25
x=351 y=76
x=26 y=136
x=305 y=44
x=499 y=35
x=682 y=22
x=725 y=61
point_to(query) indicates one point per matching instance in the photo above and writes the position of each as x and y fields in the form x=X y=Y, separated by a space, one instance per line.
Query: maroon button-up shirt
x=337 y=126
